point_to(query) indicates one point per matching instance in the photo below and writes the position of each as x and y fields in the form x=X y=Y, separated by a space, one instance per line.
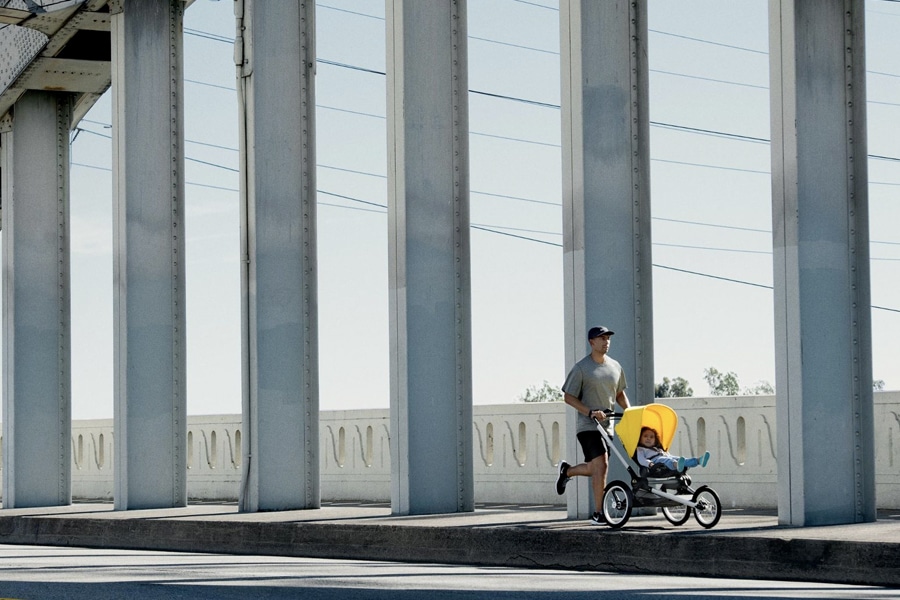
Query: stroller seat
x=656 y=471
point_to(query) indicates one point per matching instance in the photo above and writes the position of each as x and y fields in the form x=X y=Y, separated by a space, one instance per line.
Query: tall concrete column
x=37 y=419
x=823 y=346
x=606 y=195
x=275 y=53
x=428 y=217
x=150 y=415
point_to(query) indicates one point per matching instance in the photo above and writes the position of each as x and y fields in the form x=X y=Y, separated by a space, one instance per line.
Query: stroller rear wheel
x=676 y=515
x=618 y=500
x=708 y=510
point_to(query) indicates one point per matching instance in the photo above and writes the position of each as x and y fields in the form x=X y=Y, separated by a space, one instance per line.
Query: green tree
x=673 y=388
x=722 y=384
x=878 y=385
x=542 y=393
x=760 y=388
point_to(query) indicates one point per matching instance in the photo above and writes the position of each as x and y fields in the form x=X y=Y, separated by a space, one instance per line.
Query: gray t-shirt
x=596 y=385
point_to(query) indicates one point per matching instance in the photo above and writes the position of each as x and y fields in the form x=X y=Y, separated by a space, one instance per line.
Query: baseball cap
x=598 y=331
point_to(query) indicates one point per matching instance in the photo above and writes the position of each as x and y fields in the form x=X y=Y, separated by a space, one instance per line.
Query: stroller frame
x=672 y=492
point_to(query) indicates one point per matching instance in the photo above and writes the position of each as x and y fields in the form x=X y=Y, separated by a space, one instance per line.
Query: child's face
x=648 y=438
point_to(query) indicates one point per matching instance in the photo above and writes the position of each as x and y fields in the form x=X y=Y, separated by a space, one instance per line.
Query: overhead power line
x=714 y=225
x=537 y=5
x=382 y=208
x=671 y=126
x=230 y=40
x=225 y=39
x=351 y=12
x=521 y=237
x=511 y=45
x=477 y=192
x=209 y=36
x=750 y=283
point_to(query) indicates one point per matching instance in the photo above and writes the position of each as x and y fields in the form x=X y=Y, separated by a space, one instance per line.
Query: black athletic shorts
x=592 y=444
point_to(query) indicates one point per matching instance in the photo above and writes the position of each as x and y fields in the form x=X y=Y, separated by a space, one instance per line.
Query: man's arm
x=581 y=407
x=622 y=400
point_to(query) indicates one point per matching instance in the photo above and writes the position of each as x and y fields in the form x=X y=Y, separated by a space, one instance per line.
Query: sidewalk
x=743 y=545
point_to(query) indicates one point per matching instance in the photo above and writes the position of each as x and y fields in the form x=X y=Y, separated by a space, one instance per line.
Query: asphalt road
x=49 y=573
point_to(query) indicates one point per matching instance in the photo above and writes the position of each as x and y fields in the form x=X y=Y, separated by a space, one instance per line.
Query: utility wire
x=690 y=164
x=212 y=85
x=352 y=12
x=715 y=225
x=507 y=196
x=497 y=230
x=702 y=41
x=557 y=107
x=513 y=235
x=511 y=45
x=710 y=79
x=664 y=125
x=671 y=126
x=335 y=63
x=710 y=248
x=658 y=124
x=656 y=31
x=209 y=36
x=522 y=100
x=536 y=4
x=543 y=104
x=518 y=198
x=521 y=46
x=759 y=285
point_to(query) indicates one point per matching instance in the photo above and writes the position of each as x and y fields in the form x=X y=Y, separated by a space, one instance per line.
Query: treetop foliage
x=543 y=393
x=673 y=388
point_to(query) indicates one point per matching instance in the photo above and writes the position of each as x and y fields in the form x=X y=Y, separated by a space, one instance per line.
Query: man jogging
x=596 y=383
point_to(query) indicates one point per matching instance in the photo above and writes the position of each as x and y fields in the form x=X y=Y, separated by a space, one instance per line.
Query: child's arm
x=643 y=456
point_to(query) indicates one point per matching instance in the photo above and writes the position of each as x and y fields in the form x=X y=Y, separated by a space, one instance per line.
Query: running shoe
x=563 y=478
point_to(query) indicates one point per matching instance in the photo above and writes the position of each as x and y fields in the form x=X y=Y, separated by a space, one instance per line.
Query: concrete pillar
x=428 y=219
x=150 y=416
x=606 y=195
x=37 y=420
x=275 y=53
x=820 y=217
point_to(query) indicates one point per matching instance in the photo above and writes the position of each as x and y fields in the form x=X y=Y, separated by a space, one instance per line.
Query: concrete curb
x=692 y=553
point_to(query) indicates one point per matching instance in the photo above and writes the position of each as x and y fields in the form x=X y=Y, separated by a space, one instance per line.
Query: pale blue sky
x=710 y=198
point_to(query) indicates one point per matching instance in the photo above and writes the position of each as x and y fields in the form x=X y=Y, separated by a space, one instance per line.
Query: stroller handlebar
x=608 y=412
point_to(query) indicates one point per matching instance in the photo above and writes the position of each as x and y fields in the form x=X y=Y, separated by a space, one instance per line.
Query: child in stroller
x=651 y=454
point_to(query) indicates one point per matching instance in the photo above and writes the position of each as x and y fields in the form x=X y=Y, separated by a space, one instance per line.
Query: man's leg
x=598 y=468
x=592 y=445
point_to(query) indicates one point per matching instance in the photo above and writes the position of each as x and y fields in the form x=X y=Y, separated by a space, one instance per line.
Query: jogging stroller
x=670 y=491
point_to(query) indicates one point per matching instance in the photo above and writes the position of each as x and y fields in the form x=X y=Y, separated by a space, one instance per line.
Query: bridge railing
x=517 y=448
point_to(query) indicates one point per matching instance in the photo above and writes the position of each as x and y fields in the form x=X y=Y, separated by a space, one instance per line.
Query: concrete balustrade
x=517 y=448
x=355 y=455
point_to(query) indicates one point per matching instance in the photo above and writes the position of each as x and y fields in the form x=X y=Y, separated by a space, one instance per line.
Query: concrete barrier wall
x=517 y=450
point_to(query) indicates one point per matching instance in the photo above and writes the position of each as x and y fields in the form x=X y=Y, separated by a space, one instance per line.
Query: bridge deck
x=745 y=544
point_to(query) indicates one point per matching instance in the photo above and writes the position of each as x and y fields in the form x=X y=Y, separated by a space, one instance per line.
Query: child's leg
x=697 y=461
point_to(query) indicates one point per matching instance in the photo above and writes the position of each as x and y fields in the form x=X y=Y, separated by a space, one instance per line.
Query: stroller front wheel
x=618 y=500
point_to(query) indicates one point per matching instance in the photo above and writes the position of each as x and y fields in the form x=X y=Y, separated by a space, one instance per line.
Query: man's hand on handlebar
x=599 y=415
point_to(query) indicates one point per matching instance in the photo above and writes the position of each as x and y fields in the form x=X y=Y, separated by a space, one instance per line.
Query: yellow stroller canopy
x=656 y=416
